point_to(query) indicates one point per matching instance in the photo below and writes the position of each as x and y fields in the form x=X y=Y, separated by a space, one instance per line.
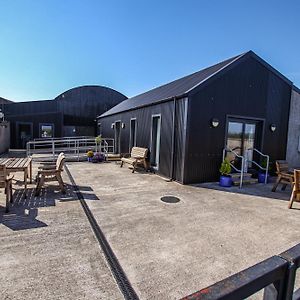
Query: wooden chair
x=51 y=174
x=296 y=189
x=51 y=164
x=284 y=175
x=137 y=156
x=6 y=183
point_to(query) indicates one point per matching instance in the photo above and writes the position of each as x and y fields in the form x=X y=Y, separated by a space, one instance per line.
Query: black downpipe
x=173 y=141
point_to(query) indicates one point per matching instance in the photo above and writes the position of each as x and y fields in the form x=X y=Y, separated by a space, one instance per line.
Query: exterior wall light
x=123 y=125
x=1 y=116
x=215 y=123
x=112 y=125
x=272 y=127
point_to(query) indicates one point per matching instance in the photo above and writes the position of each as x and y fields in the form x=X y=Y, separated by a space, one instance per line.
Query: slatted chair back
x=297 y=180
x=295 y=196
x=282 y=166
x=60 y=163
x=138 y=152
x=3 y=176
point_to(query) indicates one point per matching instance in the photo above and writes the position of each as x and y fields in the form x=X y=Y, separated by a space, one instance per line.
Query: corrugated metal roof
x=170 y=90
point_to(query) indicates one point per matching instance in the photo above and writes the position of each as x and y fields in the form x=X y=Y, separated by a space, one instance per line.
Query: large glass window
x=241 y=139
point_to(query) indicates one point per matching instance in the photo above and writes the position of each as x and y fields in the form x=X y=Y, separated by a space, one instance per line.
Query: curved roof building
x=72 y=113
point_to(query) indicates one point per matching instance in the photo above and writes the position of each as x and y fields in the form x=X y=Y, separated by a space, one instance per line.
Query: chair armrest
x=9 y=177
x=126 y=155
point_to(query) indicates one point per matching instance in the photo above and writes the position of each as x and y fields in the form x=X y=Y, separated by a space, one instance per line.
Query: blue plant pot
x=225 y=181
x=262 y=177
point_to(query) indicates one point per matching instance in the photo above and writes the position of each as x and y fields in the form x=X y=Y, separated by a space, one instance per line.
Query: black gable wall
x=249 y=90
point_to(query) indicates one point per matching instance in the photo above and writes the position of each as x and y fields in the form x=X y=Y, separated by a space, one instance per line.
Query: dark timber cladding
x=72 y=113
x=241 y=90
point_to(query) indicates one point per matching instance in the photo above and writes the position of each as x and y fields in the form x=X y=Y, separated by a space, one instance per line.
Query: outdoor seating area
x=47 y=172
x=153 y=240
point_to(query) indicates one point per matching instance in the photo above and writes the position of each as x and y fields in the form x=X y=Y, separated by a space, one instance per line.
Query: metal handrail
x=66 y=137
x=275 y=275
x=266 y=169
x=241 y=171
x=105 y=146
x=72 y=147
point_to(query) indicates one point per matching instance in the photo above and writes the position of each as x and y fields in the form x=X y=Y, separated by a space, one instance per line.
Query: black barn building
x=241 y=103
x=72 y=113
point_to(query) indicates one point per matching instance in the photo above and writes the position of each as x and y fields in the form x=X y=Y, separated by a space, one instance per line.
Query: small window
x=46 y=130
x=132 y=142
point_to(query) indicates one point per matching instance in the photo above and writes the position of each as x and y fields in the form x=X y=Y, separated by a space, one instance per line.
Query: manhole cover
x=169 y=199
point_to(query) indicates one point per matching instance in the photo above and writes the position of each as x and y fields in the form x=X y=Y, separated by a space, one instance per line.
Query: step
x=113 y=157
x=237 y=175
x=246 y=181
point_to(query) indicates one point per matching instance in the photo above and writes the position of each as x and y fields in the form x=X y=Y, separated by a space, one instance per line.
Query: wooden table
x=19 y=165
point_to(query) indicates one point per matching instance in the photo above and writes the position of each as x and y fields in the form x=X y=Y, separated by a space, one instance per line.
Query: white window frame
x=130 y=133
x=158 y=144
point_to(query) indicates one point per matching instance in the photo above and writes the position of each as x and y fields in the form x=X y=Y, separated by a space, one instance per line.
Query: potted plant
x=90 y=155
x=98 y=140
x=262 y=173
x=225 y=170
x=98 y=157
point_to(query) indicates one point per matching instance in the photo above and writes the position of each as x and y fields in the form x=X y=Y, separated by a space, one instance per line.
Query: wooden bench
x=285 y=175
x=137 y=156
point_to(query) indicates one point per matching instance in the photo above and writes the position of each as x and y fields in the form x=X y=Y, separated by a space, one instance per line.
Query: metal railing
x=75 y=148
x=266 y=169
x=241 y=171
x=245 y=161
x=275 y=275
x=65 y=137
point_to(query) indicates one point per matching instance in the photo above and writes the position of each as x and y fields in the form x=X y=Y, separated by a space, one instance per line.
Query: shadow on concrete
x=258 y=189
x=90 y=196
x=23 y=212
x=85 y=188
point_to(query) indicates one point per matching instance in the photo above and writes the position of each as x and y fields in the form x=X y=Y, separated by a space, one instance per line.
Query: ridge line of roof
x=216 y=72
x=183 y=92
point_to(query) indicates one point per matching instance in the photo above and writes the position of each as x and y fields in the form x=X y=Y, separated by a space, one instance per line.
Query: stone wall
x=4 y=138
x=293 y=144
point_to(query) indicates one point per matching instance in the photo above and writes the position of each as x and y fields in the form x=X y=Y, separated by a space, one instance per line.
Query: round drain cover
x=169 y=199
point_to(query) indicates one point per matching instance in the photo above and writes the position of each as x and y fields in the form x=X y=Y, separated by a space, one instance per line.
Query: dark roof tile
x=170 y=90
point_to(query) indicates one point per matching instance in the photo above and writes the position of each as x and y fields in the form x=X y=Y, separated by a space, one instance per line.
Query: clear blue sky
x=50 y=46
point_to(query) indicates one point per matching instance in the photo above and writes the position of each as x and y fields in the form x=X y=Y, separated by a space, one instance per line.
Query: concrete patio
x=48 y=250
